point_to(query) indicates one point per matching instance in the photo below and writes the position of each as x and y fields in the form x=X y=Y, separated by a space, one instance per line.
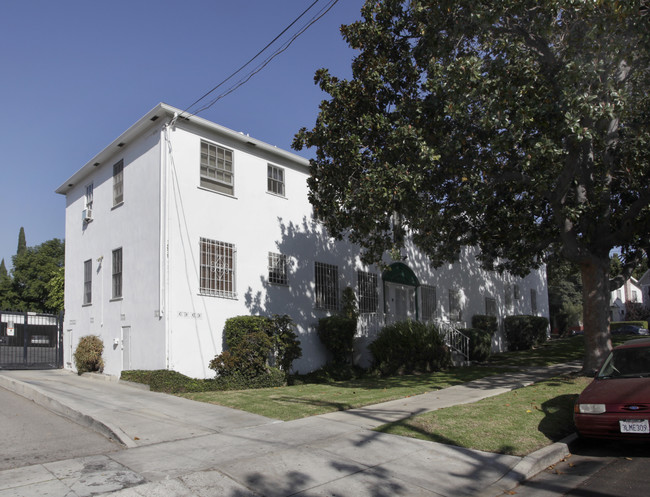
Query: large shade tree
x=515 y=126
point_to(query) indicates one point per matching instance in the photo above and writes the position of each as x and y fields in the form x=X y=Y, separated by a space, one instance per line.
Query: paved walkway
x=177 y=447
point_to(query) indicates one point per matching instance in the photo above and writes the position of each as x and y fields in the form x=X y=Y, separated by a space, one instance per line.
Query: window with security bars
x=327 y=286
x=275 y=180
x=118 y=183
x=217 y=269
x=89 y=196
x=217 y=171
x=117 y=273
x=428 y=297
x=88 y=281
x=278 y=269
x=367 y=292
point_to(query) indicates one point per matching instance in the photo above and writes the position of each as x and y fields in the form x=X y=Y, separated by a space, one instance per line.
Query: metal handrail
x=454 y=339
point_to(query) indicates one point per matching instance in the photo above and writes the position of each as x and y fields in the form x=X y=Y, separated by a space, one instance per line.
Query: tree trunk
x=595 y=298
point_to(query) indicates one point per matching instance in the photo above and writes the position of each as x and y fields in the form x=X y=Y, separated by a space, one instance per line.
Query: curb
x=531 y=465
x=46 y=401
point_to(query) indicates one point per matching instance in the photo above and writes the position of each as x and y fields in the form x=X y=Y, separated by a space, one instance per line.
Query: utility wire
x=263 y=64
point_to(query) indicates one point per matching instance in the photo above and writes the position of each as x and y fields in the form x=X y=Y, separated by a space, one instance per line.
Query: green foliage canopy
x=507 y=125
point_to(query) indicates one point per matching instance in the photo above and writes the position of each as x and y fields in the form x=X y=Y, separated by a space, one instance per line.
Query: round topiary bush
x=88 y=355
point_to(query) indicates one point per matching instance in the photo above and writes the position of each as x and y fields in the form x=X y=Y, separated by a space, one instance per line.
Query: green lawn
x=518 y=422
x=299 y=401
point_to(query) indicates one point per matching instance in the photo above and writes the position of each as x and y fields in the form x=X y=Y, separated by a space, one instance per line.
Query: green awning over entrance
x=401 y=274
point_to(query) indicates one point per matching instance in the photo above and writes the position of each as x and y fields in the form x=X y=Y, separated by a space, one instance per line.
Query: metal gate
x=29 y=340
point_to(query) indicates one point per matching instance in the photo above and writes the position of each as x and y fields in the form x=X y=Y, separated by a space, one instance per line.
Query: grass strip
x=516 y=423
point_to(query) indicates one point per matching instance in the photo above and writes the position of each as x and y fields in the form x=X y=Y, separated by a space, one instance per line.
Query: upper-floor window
x=275 y=180
x=508 y=297
x=428 y=297
x=367 y=291
x=118 y=183
x=89 y=196
x=217 y=172
x=88 y=281
x=117 y=273
x=217 y=268
x=327 y=286
x=278 y=269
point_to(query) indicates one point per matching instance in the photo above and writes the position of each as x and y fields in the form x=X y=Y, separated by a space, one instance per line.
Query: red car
x=616 y=404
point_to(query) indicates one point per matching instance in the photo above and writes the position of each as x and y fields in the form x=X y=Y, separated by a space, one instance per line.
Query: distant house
x=644 y=284
x=631 y=292
x=180 y=224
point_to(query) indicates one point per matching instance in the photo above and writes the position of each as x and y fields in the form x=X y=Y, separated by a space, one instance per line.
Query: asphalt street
x=30 y=434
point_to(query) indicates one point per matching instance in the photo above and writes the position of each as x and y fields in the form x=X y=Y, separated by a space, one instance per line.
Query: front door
x=401 y=302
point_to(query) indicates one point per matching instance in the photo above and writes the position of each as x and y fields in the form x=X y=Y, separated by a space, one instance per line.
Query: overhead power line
x=328 y=6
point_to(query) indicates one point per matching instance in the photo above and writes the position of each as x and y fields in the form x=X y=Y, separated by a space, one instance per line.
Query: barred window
x=429 y=307
x=88 y=281
x=327 y=286
x=217 y=269
x=118 y=183
x=275 y=180
x=217 y=171
x=89 y=196
x=490 y=306
x=117 y=273
x=278 y=269
x=367 y=292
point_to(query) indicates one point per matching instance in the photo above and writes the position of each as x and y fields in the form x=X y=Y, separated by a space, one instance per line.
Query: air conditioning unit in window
x=87 y=215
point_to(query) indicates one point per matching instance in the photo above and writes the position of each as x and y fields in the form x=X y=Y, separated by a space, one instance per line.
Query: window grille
x=88 y=281
x=217 y=171
x=429 y=308
x=327 y=286
x=118 y=183
x=278 y=269
x=275 y=180
x=217 y=269
x=117 y=273
x=367 y=292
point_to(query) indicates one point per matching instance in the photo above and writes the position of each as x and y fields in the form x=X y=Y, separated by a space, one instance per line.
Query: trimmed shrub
x=88 y=355
x=286 y=346
x=409 y=346
x=485 y=323
x=238 y=327
x=247 y=358
x=525 y=332
x=480 y=344
x=337 y=335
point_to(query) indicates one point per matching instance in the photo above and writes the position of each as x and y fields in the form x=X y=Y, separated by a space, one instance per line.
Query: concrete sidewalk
x=178 y=447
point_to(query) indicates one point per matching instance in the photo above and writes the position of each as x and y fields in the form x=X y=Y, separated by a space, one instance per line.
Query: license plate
x=635 y=426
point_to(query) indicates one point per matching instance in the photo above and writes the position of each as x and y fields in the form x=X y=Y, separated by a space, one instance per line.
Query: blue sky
x=75 y=74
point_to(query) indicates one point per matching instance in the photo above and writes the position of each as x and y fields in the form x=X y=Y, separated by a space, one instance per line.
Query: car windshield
x=627 y=363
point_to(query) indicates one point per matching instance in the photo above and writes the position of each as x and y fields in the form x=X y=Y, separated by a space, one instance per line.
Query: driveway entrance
x=30 y=340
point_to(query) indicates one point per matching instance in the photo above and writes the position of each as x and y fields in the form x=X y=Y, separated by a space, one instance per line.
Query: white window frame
x=217 y=268
x=428 y=298
x=367 y=292
x=217 y=168
x=118 y=183
x=116 y=273
x=89 y=196
x=455 y=305
x=326 y=278
x=275 y=180
x=88 y=282
x=490 y=306
x=278 y=265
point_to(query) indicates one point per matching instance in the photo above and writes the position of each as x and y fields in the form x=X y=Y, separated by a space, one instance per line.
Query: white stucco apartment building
x=180 y=223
